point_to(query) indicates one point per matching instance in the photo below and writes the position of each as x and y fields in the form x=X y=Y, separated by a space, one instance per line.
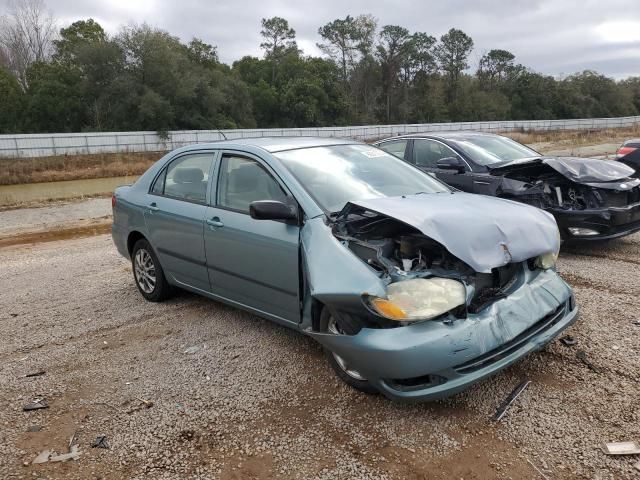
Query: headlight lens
x=420 y=299
x=547 y=260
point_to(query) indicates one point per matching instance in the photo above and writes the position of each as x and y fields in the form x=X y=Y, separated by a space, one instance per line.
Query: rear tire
x=147 y=272
x=344 y=324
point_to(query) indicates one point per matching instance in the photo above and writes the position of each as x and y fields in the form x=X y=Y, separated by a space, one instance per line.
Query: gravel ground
x=258 y=401
x=53 y=216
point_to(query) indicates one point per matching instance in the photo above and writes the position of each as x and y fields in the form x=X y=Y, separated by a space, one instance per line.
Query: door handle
x=478 y=182
x=153 y=207
x=215 y=222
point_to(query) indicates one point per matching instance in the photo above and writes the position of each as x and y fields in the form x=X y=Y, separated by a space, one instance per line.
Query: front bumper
x=612 y=222
x=431 y=359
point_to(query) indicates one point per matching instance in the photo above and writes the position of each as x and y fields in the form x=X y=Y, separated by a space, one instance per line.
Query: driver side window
x=243 y=181
x=426 y=153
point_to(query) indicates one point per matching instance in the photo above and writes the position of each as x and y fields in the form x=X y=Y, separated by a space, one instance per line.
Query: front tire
x=148 y=273
x=343 y=325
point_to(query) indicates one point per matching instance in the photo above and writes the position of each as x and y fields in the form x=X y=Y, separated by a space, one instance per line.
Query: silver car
x=414 y=290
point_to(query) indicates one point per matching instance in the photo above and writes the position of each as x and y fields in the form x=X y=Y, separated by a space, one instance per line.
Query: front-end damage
x=590 y=199
x=511 y=305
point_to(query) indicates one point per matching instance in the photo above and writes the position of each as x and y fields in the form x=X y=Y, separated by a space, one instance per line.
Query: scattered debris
x=568 y=340
x=43 y=457
x=34 y=428
x=73 y=454
x=35 y=374
x=192 y=350
x=621 y=448
x=73 y=439
x=37 y=404
x=100 y=442
x=538 y=470
x=144 y=403
x=14 y=315
x=582 y=356
x=636 y=323
x=504 y=406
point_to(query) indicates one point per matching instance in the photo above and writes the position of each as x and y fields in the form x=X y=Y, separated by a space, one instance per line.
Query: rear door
x=174 y=216
x=425 y=155
x=252 y=262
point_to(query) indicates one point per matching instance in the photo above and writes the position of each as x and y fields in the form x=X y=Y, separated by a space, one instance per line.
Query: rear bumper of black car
x=604 y=224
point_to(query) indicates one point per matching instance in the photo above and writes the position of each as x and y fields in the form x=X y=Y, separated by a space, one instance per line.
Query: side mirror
x=272 y=210
x=451 y=163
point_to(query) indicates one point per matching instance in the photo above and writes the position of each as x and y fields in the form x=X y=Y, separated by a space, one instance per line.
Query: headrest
x=188 y=175
x=245 y=178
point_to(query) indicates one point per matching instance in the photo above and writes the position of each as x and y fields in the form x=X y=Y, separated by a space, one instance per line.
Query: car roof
x=279 y=144
x=459 y=135
x=631 y=141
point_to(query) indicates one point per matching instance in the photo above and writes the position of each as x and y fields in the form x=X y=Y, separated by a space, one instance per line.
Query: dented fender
x=436 y=347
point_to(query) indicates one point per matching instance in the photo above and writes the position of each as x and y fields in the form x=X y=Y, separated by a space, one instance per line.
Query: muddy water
x=35 y=192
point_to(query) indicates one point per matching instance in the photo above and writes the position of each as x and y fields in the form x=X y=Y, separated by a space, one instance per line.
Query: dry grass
x=575 y=138
x=74 y=167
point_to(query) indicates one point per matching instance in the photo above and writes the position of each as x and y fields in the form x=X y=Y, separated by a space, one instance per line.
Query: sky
x=554 y=37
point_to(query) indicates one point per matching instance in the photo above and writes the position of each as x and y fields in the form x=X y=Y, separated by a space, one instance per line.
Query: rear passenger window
x=243 y=181
x=186 y=178
x=396 y=148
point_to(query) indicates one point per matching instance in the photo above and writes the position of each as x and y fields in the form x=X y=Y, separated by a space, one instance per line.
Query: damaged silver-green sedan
x=414 y=290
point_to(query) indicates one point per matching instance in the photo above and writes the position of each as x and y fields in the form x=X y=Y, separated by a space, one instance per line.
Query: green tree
x=494 y=67
x=392 y=50
x=12 y=103
x=452 y=53
x=279 y=39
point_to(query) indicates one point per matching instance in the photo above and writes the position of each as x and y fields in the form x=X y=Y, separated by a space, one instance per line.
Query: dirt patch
x=68 y=233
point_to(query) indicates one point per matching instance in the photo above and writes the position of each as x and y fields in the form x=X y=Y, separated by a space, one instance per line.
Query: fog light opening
x=583 y=232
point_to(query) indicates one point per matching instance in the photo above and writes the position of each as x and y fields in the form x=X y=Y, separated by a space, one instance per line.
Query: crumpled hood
x=484 y=232
x=578 y=170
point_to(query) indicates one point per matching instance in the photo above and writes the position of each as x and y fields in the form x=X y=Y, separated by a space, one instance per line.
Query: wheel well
x=133 y=238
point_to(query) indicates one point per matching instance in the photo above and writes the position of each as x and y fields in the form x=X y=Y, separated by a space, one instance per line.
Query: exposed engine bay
x=397 y=252
x=544 y=187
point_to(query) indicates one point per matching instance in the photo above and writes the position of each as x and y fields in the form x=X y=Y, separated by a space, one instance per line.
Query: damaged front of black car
x=590 y=199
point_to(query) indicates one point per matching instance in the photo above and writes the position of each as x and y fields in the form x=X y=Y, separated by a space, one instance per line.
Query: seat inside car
x=247 y=183
x=188 y=183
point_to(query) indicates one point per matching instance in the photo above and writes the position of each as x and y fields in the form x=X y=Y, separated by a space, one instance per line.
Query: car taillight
x=113 y=201
x=622 y=151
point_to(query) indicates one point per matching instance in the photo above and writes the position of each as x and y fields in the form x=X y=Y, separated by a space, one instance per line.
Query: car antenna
x=222 y=133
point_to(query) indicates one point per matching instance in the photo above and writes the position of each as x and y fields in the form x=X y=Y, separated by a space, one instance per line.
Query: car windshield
x=337 y=174
x=486 y=150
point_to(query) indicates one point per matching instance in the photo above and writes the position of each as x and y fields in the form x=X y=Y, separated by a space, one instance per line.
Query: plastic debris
x=192 y=350
x=538 y=470
x=143 y=403
x=568 y=340
x=37 y=404
x=100 y=442
x=43 y=457
x=504 y=406
x=582 y=356
x=621 y=448
x=72 y=455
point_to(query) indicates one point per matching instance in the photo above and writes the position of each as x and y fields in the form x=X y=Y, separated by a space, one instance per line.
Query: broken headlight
x=419 y=299
x=547 y=260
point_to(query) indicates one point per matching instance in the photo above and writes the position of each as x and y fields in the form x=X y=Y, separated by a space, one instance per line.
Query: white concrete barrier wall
x=41 y=145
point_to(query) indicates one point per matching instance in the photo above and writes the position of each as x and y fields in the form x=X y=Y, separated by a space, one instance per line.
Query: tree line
x=143 y=78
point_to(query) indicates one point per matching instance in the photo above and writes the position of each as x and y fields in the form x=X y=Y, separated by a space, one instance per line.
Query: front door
x=174 y=216
x=427 y=152
x=252 y=262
